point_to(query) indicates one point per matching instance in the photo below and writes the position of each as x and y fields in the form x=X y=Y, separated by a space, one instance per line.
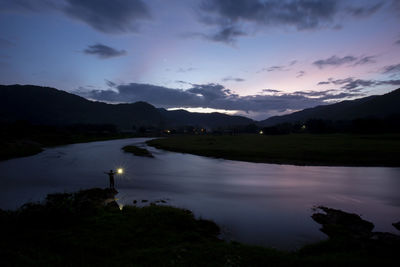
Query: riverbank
x=296 y=149
x=15 y=148
x=89 y=228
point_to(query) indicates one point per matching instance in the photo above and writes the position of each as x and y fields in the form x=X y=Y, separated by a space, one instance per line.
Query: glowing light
x=261 y=132
x=120 y=171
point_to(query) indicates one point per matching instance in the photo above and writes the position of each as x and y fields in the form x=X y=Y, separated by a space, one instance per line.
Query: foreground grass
x=298 y=149
x=137 y=151
x=77 y=230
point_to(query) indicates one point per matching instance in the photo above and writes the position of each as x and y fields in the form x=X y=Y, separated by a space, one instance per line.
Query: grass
x=78 y=230
x=297 y=149
x=137 y=151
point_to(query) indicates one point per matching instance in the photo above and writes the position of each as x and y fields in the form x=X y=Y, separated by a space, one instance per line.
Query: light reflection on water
x=255 y=203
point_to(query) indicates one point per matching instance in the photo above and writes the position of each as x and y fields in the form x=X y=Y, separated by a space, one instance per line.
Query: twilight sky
x=257 y=58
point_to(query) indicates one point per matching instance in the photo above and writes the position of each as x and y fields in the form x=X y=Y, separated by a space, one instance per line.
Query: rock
x=337 y=223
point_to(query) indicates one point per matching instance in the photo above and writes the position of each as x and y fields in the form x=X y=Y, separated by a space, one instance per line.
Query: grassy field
x=77 y=230
x=297 y=149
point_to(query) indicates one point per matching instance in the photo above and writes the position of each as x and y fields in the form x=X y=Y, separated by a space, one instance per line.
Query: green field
x=297 y=149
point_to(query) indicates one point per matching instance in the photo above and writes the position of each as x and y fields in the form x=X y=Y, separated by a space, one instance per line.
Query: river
x=255 y=203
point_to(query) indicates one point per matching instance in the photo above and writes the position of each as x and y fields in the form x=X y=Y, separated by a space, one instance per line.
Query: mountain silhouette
x=49 y=106
x=368 y=107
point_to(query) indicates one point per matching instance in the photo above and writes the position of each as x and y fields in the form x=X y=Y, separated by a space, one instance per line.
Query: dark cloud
x=366 y=60
x=397 y=42
x=300 y=14
x=110 y=83
x=334 y=61
x=338 y=61
x=322 y=83
x=391 y=69
x=227 y=79
x=357 y=85
x=279 y=68
x=226 y=35
x=103 y=51
x=275 y=68
x=271 y=91
x=300 y=74
x=364 y=11
x=109 y=16
x=216 y=96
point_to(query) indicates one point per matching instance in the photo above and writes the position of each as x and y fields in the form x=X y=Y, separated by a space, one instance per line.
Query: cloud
x=227 y=79
x=279 y=67
x=334 y=61
x=300 y=74
x=103 y=51
x=117 y=16
x=298 y=14
x=216 y=96
x=338 y=61
x=184 y=70
x=225 y=35
x=397 y=42
x=364 y=11
x=356 y=85
x=366 y=60
x=391 y=69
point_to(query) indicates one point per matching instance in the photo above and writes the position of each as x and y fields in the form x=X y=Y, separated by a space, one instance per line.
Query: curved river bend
x=255 y=203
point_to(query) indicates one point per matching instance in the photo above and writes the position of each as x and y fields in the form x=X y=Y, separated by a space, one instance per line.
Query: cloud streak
x=233 y=79
x=356 y=85
x=335 y=61
x=391 y=69
x=103 y=51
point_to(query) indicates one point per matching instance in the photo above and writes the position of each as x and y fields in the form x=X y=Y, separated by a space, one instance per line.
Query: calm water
x=255 y=203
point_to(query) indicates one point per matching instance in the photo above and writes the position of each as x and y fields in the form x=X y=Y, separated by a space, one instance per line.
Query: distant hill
x=49 y=106
x=208 y=120
x=372 y=106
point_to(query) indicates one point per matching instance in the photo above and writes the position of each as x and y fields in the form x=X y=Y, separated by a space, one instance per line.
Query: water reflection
x=255 y=203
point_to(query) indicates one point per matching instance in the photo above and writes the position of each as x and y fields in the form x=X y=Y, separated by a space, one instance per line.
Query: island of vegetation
x=89 y=228
x=137 y=151
x=297 y=149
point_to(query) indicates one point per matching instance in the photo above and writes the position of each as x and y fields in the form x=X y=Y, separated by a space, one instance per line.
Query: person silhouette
x=111 y=174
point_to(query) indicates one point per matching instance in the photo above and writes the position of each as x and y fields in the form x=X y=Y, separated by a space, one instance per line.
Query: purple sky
x=253 y=57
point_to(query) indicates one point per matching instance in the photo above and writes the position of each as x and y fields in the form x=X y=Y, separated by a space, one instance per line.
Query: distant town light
x=261 y=132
